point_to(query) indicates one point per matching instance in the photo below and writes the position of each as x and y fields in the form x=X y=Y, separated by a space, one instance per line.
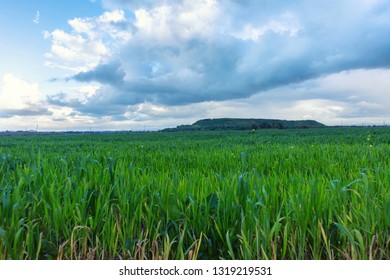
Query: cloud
x=37 y=17
x=21 y=98
x=348 y=97
x=153 y=112
x=160 y=54
x=63 y=100
x=104 y=73
x=28 y=112
x=90 y=41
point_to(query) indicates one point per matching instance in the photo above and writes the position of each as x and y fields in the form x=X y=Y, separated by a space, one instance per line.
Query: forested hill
x=245 y=124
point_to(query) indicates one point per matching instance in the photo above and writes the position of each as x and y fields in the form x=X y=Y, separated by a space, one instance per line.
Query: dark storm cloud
x=110 y=74
x=60 y=99
x=27 y=112
x=253 y=46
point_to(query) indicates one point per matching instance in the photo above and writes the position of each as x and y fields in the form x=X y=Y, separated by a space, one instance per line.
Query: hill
x=245 y=124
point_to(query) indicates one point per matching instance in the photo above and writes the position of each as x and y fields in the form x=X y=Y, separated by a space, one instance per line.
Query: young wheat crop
x=269 y=194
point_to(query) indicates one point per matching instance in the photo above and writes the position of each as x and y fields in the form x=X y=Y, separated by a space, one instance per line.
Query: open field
x=266 y=194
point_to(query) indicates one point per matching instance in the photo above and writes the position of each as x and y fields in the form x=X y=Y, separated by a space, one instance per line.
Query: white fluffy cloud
x=90 y=41
x=24 y=106
x=168 y=23
x=19 y=97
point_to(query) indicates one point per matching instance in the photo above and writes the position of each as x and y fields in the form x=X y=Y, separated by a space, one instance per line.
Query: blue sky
x=121 y=64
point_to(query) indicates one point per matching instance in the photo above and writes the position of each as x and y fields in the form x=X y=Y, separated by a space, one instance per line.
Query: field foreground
x=267 y=194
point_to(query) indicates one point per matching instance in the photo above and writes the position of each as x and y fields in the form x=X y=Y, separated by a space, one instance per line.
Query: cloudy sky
x=128 y=64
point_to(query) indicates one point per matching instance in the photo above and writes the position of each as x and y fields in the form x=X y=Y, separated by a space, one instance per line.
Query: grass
x=271 y=194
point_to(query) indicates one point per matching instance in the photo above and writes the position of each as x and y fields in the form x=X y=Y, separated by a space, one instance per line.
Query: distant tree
x=265 y=125
x=278 y=125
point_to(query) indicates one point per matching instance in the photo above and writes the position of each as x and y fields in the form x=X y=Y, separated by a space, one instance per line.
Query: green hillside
x=245 y=124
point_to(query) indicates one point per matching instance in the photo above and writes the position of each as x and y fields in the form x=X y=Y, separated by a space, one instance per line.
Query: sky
x=136 y=65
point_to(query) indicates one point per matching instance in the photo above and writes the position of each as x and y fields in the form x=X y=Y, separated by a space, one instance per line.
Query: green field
x=266 y=194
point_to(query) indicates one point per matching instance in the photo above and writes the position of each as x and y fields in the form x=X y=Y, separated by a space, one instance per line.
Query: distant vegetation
x=245 y=124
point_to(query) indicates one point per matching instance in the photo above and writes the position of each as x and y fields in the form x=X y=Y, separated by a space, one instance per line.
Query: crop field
x=267 y=194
